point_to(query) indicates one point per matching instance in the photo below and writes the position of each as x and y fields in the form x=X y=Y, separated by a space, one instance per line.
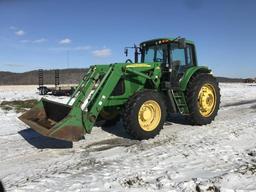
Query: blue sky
x=37 y=33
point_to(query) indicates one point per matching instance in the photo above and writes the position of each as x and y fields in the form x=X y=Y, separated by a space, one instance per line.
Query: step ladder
x=180 y=101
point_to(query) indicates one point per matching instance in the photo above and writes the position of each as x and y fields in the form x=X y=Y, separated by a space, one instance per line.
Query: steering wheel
x=128 y=61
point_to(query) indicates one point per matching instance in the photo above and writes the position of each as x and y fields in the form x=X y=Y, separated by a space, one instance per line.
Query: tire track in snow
x=165 y=161
x=168 y=162
x=244 y=102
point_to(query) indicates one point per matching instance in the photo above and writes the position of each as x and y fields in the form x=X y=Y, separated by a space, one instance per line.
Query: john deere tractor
x=167 y=79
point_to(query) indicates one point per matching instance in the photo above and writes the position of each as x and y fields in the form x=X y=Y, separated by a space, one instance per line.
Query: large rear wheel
x=144 y=114
x=203 y=99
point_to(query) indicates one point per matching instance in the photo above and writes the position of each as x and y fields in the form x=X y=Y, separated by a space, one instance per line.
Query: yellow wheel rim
x=206 y=100
x=149 y=115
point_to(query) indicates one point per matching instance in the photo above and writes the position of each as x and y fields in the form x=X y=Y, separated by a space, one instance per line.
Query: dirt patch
x=18 y=105
x=252 y=153
x=210 y=188
x=133 y=182
x=248 y=168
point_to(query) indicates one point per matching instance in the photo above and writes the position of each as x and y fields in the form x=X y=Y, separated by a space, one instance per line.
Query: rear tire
x=144 y=114
x=203 y=99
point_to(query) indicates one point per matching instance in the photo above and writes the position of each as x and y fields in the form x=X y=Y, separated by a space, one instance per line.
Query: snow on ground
x=219 y=156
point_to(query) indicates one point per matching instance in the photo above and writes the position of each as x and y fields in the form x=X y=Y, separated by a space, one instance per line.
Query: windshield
x=154 y=53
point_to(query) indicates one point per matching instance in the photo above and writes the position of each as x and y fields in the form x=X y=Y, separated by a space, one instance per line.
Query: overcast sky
x=60 y=33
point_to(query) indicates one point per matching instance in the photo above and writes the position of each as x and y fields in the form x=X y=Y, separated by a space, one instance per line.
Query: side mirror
x=182 y=43
x=126 y=52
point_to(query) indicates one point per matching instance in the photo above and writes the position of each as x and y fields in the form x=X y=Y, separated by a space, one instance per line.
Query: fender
x=189 y=73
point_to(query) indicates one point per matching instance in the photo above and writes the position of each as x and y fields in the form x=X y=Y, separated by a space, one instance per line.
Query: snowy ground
x=219 y=156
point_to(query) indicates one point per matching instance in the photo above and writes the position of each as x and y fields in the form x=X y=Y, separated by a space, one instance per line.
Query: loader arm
x=94 y=92
x=72 y=122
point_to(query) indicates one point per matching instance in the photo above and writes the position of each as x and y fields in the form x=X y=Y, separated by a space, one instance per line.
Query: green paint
x=189 y=73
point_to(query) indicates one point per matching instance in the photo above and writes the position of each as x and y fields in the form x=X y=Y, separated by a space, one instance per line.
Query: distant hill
x=67 y=76
x=230 y=80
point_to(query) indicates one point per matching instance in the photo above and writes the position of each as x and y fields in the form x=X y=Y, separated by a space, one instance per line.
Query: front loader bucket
x=55 y=120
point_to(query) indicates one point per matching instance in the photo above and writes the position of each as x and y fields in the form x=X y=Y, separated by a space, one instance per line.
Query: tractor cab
x=175 y=55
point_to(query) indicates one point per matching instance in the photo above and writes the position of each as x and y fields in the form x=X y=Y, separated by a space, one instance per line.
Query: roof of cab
x=160 y=39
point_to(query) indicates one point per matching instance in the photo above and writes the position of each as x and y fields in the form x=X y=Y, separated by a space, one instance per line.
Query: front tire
x=110 y=117
x=144 y=114
x=203 y=99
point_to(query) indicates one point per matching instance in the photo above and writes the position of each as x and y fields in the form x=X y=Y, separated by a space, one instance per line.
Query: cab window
x=149 y=56
x=154 y=53
x=182 y=55
x=189 y=55
x=179 y=55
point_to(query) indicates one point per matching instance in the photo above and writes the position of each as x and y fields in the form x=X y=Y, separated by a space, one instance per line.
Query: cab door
x=181 y=60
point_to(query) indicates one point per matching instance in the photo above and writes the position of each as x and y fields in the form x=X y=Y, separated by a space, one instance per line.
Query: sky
x=52 y=34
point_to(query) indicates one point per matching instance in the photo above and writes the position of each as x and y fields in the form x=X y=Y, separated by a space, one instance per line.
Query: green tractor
x=166 y=80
